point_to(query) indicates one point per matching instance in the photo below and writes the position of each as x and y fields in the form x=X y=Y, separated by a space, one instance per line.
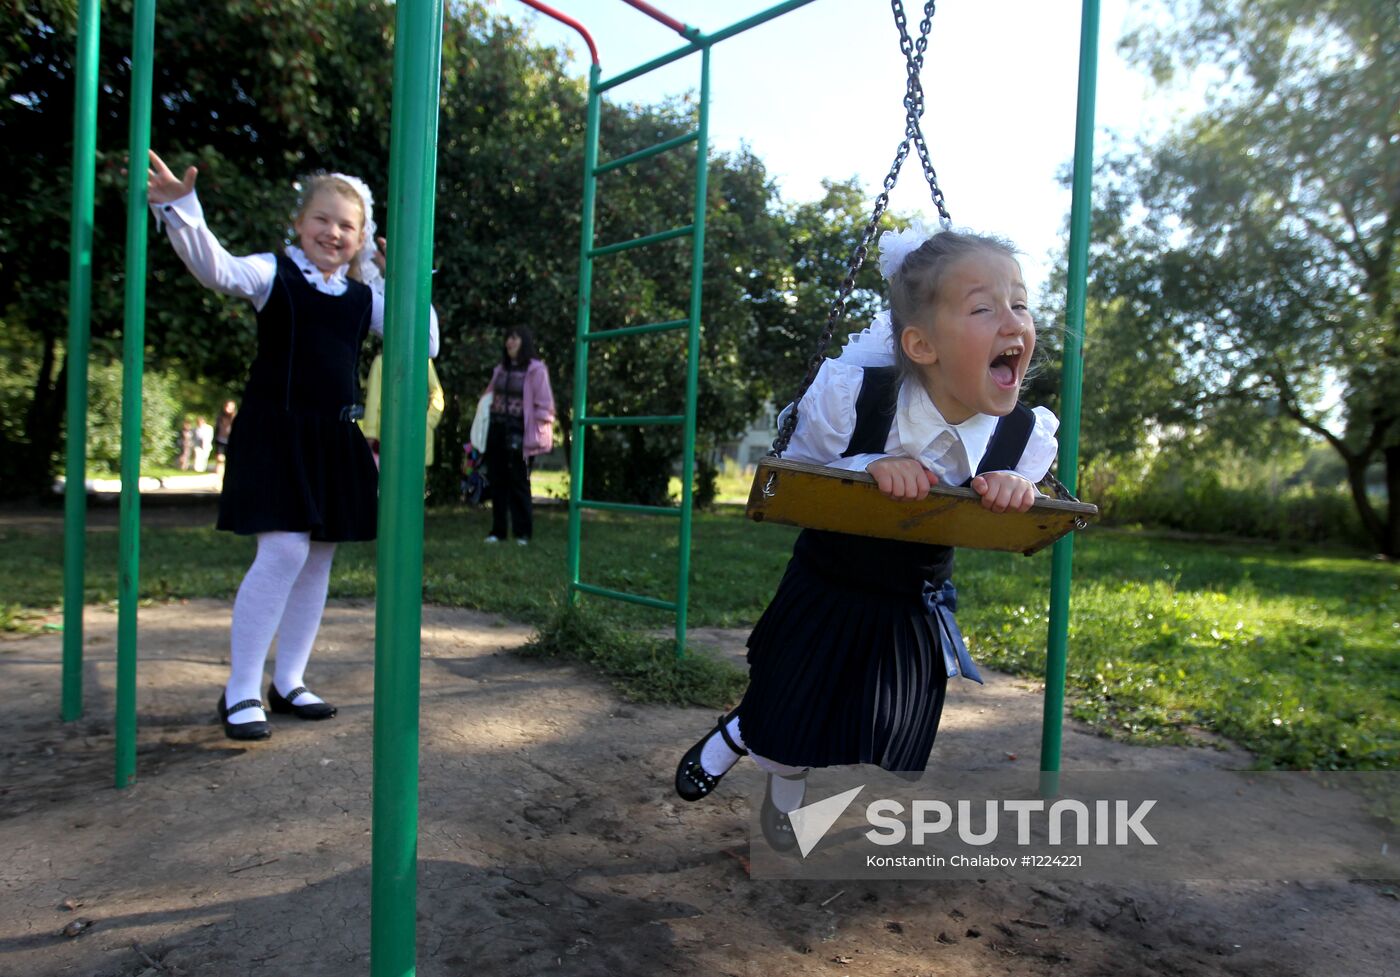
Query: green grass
x=1291 y=654
x=731 y=484
x=641 y=668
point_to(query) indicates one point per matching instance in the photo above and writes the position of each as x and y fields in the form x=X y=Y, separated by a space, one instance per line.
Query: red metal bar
x=565 y=19
x=684 y=30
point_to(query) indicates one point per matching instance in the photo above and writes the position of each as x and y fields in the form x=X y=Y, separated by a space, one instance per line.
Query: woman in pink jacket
x=522 y=426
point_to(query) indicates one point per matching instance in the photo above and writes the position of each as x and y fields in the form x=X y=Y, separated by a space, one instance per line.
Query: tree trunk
x=1370 y=519
x=42 y=423
x=1391 y=545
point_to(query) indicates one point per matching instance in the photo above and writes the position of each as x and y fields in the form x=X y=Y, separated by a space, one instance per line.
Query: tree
x=1260 y=237
x=256 y=92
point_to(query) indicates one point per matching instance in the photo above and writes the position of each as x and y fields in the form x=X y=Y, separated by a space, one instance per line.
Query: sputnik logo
x=811 y=822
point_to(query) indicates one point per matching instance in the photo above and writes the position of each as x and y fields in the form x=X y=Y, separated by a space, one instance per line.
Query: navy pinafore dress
x=297 y=461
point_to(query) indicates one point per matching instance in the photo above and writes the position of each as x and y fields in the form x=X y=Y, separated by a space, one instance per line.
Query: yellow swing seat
x=795 y=493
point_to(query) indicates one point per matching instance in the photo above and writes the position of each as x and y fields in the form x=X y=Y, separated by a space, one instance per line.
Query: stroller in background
x=476 y=490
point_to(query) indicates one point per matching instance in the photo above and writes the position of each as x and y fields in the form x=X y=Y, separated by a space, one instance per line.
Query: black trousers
x=508 y=470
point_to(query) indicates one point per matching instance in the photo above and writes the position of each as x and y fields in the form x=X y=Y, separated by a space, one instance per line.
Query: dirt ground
x=551 y=841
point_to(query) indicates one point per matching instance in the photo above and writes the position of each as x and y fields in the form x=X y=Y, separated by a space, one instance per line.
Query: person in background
x=203 y=444
x=186 y=445
x=522 y=427
x=223 y=426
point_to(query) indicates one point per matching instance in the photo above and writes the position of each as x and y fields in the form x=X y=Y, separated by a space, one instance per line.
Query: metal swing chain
x=914 y=103
x=913 y=52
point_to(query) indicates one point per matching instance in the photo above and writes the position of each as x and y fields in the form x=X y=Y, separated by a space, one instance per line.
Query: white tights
x=283 y=594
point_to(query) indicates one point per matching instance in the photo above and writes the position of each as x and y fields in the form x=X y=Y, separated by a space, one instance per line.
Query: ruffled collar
x=335 y=284
x=919 y=423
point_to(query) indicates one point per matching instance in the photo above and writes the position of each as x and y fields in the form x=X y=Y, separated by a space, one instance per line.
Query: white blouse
x=252 y=276
x=827 y=418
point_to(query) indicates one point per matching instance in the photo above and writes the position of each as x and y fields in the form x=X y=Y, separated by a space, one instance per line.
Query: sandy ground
x=551 y=842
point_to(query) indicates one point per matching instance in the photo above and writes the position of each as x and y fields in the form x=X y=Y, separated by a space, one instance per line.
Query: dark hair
x=527 y=346
x=915 y=285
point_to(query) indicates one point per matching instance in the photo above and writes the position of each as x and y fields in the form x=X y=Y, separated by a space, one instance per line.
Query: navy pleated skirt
x=845 y=664
x=300 y=473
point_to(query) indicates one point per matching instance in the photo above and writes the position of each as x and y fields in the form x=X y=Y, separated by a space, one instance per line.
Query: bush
x=160 y=417
x=1204 y=494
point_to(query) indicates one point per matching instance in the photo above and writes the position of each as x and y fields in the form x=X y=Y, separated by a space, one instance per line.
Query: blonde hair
x=914 y=288
x=313 y=185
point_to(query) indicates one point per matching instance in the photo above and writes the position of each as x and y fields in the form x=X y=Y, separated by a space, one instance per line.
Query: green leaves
x=1253 y=251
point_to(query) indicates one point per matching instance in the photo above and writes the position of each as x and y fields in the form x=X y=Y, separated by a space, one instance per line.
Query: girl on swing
x=300 y=476
x=851 y=660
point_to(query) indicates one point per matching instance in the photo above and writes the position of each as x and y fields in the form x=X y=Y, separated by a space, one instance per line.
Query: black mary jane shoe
x=284 y=704
x=692 y=780
x=775 y=824
x=258 y=729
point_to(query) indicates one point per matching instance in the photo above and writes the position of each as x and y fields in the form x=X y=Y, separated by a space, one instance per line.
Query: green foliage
x=160 y=417
x=1212 y=493
x=1259 y=242
x=642 y=669
x=253 y=103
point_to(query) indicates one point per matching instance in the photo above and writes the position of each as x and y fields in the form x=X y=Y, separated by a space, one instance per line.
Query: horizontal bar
x=646 y=510
x=762 y=17
x=647 y=153
x=703 y=41
x=651 y=65
x=636 y=330
x=588 y=588
x=641 y=242
x=635 y=421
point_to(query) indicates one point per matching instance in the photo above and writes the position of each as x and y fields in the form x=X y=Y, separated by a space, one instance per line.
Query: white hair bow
x=895 y=246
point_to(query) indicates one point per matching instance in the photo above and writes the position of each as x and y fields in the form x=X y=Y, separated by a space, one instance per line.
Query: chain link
x=913 y=51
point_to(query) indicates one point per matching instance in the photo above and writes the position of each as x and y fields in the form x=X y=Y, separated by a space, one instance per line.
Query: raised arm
x=177 y=207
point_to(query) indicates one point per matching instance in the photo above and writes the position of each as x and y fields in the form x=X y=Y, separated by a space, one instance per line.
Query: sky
x=818 y=94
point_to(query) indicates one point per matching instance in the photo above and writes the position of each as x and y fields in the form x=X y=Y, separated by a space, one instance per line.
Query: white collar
x=919 y=423
x=314 y=274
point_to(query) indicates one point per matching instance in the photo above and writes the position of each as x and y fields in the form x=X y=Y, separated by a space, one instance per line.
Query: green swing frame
x=417 y=66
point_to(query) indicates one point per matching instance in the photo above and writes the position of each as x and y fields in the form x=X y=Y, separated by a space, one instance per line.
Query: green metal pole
x=585 y=293
x=1072 y=378
x=692 y=368
x=143 y=31
x=399 y=599
x=79 y=333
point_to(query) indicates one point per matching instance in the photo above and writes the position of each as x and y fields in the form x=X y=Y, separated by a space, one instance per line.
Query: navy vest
x=309 y=346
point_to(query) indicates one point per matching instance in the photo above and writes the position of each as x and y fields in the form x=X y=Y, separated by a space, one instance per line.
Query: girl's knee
x=284 y=552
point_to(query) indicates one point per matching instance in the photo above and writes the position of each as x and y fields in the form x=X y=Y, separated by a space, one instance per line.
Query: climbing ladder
x=586 y=337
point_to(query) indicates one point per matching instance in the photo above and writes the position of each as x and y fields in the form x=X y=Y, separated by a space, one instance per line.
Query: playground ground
x=550 y=839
